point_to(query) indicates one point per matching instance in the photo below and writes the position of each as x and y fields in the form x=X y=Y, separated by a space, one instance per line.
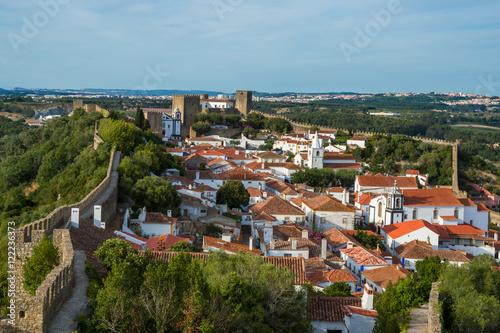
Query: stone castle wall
x=299 y=127
x=434 y=318
x=34 y=313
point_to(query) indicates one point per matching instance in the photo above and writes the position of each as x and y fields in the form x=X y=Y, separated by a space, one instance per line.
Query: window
x=297 y=219
x=406 y=216
x=380 y=209
x=287 y=218
x=471 y=222
x=287 y=254
x=456 y=212
x=398 y=203
x=435 y=213
x=414 y=215
x=322 y=219
x=344 y=220
x=317 y=153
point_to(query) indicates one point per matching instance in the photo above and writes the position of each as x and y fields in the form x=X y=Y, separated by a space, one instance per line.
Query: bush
x=36 y=268
x=201 y=127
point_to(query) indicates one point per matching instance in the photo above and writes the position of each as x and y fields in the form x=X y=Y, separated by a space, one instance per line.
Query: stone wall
x=434 y=318
x=33 y=313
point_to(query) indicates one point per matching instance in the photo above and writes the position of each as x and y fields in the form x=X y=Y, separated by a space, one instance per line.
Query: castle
x=185 y=108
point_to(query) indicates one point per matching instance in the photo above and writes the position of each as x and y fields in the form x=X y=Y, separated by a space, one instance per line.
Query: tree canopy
x=234 y=194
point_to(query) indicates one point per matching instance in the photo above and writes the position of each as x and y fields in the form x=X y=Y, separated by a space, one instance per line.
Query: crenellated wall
x=34 y=313
x=434 y=318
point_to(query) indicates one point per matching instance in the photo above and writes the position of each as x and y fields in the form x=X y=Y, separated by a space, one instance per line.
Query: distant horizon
x=257 y=91
x=381 y=46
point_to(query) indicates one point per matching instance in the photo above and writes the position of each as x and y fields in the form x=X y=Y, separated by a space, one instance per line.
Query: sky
x=364 y=46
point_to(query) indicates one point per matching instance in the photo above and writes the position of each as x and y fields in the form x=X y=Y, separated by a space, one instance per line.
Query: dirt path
x=475 y=126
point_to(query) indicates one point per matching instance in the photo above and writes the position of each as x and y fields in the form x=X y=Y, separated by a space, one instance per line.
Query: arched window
x=317 y=153
x=398 y=203
x=414 y=216
x=380 y=209
x=456 y=212
x=435 y=213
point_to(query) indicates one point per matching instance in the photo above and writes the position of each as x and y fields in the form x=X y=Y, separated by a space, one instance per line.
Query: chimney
x=388 y=259
x=343 y=198
x=245 y=174
x=97 y=216
x=250 y=243
x=264 y=194
x=495 y=236
x=236 y=152
x=226 y=237
x=169 y=213
x=367 y=299
x=190 y=186
x=75 y=217
x=272 y=244
x=378 y=248
x=260 y=186
x=197 y=175
x=323 y=249
x=262 y=165
x=349 y=245
x=305 y=234
x=294 y=244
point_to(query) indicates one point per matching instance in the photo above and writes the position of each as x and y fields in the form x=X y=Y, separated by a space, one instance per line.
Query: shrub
x=36 y=268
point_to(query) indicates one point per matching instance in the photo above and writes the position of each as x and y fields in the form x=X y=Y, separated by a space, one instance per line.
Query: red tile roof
x=288 y=230
x=166 y=256
x=420 y=250
x=324 y=308
x=296 y=266
x=281 y=187
x=400 y=229
x=153 y=217
x=365 y=198
x=238 y=174
x=326 y=203
x=339 y=166
x=228 y=246
x=275 y=206
x=430 y=197
x=360 y=311
x=338 y=238
x=340 y=275
x=364 y=257
x=315 y=265
x=304 y=244
x=381 y=276
x=338 y=156
x=270 y=154
x=163 y=242
x=412 y=172
x=255 y=192
x=358 y=138
x=383 y=181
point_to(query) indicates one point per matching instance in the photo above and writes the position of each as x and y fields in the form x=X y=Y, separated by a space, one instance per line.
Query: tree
x=255 y=120
x=249 y=132
x=157 y=194
x=338 y=289
x=45 y=257
x=234 y=194
x=212 y=230
x=369 y=241
x=429 y=271
x=201 y=127
x=125 y=136
x=140 y=121
x=184 y=246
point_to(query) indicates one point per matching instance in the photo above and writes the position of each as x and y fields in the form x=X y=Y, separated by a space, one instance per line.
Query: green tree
x=125 y=136
x=338 y=289
x=429 y=271
x=234 y=194
x=212 y=230
x=45 y=257
x=249 y=132
x=157 y=194
x=184 y=246
x=201 y=127
x=369 y=241
x=255 y=120
x=140 y=120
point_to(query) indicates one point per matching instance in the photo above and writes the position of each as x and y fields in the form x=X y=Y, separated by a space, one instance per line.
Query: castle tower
x=189 y=106
x=394 y=208
x=244 y=101
x=315 y=154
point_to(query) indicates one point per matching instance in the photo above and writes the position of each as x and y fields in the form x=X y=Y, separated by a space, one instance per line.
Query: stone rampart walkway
x=419 y=319
x=63 y=320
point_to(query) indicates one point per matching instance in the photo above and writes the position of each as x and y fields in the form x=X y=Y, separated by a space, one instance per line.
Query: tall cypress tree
x=139 y=118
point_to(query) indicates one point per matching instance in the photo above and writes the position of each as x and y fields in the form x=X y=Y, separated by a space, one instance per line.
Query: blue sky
x=273 y=46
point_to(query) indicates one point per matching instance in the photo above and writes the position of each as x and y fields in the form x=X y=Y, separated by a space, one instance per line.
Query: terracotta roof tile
x=360 y=311
x=338 y=238
x=381 y=276
x=281 y=187
x=315 y=265
x=163 y=242
x=364 y=257
x=420 y=250
x=324 y=308
x=238 y=174
x=430 y=197
x=275 y=206
x=305 y=245
x=338 y=156
x=270 y=154
x=296 y=265
x=383 y=181
x=288 y=230
x=326 y=203
x=340 y=275
x=400 y=229
x=227 y=246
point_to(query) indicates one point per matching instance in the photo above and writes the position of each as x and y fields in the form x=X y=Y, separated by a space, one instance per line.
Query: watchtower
x=189 y=106
x=244 y=101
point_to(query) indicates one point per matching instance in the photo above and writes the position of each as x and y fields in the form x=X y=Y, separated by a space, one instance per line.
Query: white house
x=412 y=252
x=277 y=210
x=359 y=259
x=378 y=278
x=404 y=232
x=379 y=184
x=422 y=179
x=216 y=103
x=324 y=213
x=171 y=125
x=160 y=224
x=359 y=141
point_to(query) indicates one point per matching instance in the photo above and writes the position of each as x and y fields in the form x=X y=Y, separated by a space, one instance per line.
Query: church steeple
x=394 y=211
x=315 y=154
